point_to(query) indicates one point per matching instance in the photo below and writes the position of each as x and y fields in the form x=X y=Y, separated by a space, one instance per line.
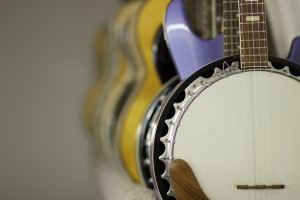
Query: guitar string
x=250 y=156
x=261 y=109
x=231 y=39
x=248 y=113
x=253 y=85
x=263 y=132
x=257 y=103
x=245 y=81
x=260 y=127
x=264 y=76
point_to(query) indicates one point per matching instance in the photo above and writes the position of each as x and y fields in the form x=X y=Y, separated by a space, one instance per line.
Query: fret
x=263 y=31
x=253 y=3
x=251 y=53
x=253 y=23
x=258 y=61
x=231 y=43
x=266 y=61
x=249 y=26
x=253 y=40
x=232 y=51
x=251 y=36
x=230 y=11
x=245 y=48
x=231 y=20
x=231 y=39
x=231 y=33
x=234 y=43
x=253 y=13
x=254 y=55
x=252 y=10
x=260 y=64
x=231 y=28
x=231 y=23
x=230 y=36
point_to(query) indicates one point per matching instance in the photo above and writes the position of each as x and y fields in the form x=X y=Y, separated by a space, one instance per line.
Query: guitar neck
x=204 y=17
x=231 y=27
x=196 y=19
x=253 y=33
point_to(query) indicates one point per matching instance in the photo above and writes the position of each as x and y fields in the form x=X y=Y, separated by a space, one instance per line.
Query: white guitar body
x=236 y=128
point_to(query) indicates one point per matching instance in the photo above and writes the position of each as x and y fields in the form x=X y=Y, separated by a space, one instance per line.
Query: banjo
x=235 y=122
x=175 y=14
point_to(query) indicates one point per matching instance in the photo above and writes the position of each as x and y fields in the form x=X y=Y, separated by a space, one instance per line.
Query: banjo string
x=253 y=91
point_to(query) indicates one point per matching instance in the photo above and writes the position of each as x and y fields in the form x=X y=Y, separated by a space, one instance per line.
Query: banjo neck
x=253 y=34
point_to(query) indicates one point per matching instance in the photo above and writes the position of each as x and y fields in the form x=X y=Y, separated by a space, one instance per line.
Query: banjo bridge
x=259 y=187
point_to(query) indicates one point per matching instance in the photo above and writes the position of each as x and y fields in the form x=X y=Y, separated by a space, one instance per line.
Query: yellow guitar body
x=96 y=88
x=148 y=21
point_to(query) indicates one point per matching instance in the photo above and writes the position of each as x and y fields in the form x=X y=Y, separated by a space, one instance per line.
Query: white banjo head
x=237 y=129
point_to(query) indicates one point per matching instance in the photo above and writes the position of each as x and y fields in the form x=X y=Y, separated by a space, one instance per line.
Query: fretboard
x=197 y=20
x=204 y=17
x=253 y=34
x=231 y=27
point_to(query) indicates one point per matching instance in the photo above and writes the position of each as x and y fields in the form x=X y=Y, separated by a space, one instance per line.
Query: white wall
x=284 y=19
x=46 y=67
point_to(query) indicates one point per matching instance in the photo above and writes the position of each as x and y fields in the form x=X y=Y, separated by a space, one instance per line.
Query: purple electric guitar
x=295 y=50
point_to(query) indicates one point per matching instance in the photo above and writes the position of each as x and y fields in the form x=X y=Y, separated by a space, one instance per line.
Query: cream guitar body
x=94 y=95
x=122 y=82
x=112 y=181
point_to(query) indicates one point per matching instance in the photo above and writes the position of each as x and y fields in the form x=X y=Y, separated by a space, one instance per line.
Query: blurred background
x=47 y=64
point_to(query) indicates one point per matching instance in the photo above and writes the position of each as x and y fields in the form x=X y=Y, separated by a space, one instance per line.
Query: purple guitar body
x=294 y=54
x=188 y=51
